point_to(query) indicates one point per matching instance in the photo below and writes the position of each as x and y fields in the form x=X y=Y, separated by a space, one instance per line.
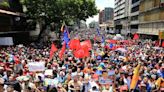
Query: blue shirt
x=61 y=79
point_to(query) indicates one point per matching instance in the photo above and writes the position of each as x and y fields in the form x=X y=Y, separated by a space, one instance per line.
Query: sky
x=101 y=4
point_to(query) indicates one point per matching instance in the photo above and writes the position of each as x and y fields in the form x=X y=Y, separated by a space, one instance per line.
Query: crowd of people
x=136 y=66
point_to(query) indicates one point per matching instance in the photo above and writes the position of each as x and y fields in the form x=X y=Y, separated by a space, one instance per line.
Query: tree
x=59 y=11
x=4 y=3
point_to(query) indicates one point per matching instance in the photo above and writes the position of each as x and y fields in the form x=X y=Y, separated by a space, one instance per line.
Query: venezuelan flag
x=135 y=77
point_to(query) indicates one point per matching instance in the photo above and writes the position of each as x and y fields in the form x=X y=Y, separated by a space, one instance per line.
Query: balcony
x=149 y=10
x=133 y=22
x=135 y=4
x=134 y=13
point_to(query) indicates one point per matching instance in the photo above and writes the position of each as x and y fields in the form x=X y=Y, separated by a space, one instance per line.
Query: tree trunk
x=42 y=29
x=78 y=23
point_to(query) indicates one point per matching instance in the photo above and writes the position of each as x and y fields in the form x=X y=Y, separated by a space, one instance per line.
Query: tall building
x=134 y=13
x=106 y=18
x=101 y=17
x=108 y=14
x=151 y=17
x=121 y=15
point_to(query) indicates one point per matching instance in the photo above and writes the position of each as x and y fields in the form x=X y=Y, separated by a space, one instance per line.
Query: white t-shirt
x=93 y=83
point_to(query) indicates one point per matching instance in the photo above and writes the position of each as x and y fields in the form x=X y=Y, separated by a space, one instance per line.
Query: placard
x=48 y=72
x=111 y=72
x=36 y=66
x=104 y=81
x=52 y=82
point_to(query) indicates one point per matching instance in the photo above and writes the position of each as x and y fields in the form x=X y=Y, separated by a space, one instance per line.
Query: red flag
x=86 y=43
x=74 y=44
x=163 y=44
x=82 y=52
x=16 y=60
x=79 y=53
x=112 y=41
x=62 y=51
x=136 y=37
x=86 y=51
x=53 y=49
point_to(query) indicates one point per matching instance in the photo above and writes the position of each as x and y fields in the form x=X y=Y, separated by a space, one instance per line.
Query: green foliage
x=4 y=3
x=60 y=11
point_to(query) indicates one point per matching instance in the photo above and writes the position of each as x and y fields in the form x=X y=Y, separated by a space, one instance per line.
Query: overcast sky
x=101 y=4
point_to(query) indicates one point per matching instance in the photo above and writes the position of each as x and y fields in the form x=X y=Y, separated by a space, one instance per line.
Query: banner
x=6 y=41
x=36 y=66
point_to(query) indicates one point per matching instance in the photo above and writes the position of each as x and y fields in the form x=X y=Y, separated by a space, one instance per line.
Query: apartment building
x=134 y=13
x=106 y=18
x=151 y=18
x=101 y=17
x=108 y=12
x=121 y=16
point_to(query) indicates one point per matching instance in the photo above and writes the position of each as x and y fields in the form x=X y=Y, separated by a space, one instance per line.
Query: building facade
x=106 y=18
x=108 y=14
x=134 y=13
x=121 y=16
x=101 y=17
x=151 y=17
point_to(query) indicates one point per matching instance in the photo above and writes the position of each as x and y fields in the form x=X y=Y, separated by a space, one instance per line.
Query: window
x=134 y=9
x=134 y=1
x=134 y=18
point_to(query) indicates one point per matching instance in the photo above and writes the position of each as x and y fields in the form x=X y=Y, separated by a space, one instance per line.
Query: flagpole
x=159 y=38
x=160 y=41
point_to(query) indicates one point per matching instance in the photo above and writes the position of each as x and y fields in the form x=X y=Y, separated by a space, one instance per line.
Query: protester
x=116 y=66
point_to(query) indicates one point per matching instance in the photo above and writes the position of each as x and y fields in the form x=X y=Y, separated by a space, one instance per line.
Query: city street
x=81 y=46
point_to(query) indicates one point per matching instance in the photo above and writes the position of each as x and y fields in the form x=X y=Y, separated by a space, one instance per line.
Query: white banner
x=6 y=41
x=36 y=66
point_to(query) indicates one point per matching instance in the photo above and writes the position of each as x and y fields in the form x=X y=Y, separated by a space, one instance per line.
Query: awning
x=11 y=13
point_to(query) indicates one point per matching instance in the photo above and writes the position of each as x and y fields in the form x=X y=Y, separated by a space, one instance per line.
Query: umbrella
x=121 y=49
x=20 y=45
x=118 y=37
